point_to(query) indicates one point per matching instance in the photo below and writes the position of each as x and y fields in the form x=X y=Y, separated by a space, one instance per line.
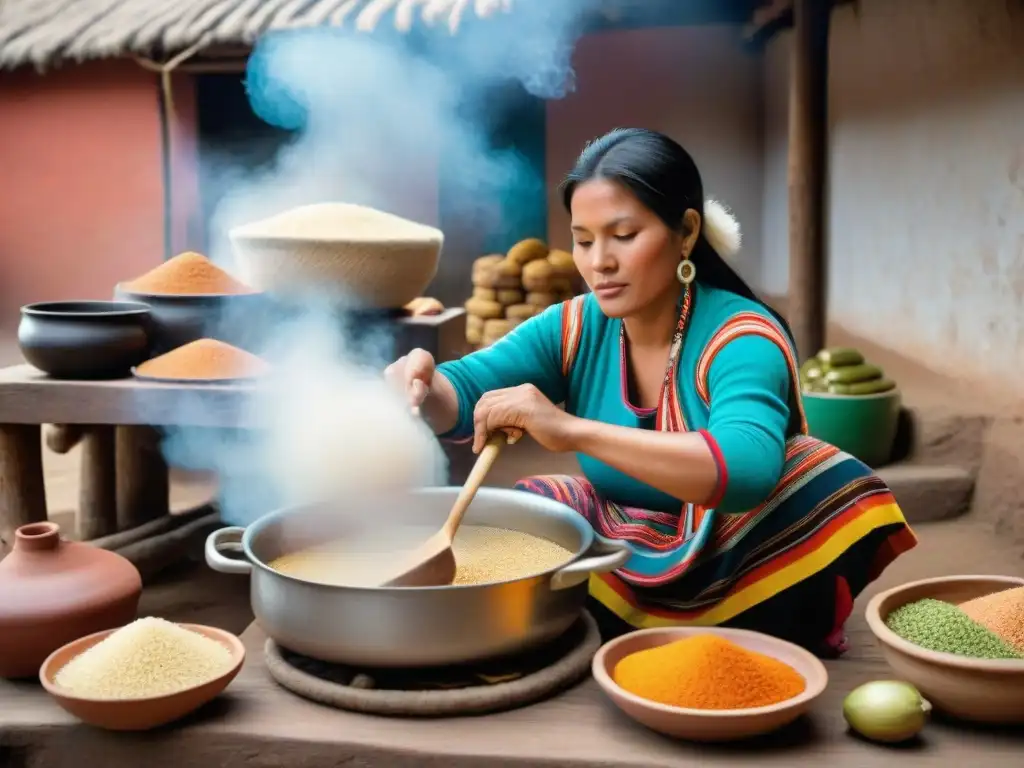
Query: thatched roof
x=38 y=32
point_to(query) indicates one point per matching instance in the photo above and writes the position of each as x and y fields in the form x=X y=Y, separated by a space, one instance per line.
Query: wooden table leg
x=97 y=485
x=22 y=488
x=97 y=490
x=143 y=483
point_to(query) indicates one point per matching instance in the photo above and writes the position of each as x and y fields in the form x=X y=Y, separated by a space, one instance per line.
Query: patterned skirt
x=791 y=568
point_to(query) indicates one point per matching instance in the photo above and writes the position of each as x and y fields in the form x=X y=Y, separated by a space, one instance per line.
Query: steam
x=372 y=113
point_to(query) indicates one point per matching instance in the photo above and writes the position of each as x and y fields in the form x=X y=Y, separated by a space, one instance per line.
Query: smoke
x=372 y=113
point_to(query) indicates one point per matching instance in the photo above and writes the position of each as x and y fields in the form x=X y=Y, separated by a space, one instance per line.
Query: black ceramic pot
x=179 y=319
x=85 y=339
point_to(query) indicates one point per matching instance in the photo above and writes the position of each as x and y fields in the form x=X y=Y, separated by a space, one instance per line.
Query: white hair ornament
x=721 y=229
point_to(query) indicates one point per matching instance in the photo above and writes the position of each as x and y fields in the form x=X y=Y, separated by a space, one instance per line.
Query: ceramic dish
x=85 y=339
x=179 y=319
x=709 y=724
x=981 y=690
x=202 y=382
x=138 y=714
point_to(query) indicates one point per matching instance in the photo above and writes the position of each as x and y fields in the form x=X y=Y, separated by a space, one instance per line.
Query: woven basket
x=383 y=274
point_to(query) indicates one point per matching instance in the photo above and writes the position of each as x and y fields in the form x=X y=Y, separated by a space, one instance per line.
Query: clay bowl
x=85 y=339
x=179 y=319
x=980 y=690
x=704 y=724
x=138 y=714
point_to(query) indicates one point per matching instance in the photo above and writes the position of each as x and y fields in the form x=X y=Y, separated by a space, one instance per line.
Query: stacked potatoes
x=510 y=289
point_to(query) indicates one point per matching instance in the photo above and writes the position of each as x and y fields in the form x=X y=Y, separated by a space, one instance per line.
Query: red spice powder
x=187 y=274
x=205 y=359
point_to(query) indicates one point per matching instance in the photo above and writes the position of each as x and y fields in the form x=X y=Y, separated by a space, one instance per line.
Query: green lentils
x=943 y=627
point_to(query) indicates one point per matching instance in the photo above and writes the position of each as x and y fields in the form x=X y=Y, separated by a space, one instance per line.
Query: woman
x=682 y=401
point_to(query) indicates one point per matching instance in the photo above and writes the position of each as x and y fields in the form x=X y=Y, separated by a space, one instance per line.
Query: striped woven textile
x=700 y=567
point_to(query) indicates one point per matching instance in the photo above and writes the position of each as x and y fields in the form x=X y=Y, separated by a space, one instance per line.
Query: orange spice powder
x=187 y=274
x=707 y=672
x=205 y=359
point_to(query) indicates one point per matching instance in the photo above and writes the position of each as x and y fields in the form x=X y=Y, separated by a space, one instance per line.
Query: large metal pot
x=422 y=626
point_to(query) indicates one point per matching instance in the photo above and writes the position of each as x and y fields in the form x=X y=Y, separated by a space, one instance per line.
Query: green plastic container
x=862 y=425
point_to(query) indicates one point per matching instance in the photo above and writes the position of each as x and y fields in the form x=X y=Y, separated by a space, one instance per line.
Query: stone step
x=929 y=492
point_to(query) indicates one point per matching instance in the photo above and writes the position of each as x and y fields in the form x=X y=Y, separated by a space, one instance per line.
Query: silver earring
x=686 y=272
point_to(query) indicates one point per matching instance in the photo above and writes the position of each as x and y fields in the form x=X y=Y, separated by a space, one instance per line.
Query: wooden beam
x=767 y=21
x=773 y=16
x=808 y=114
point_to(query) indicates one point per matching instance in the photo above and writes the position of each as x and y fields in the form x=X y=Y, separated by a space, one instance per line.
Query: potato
x=560 y=285
x=521 y=312
x=538 y=270
x=506 y=268
x=562 y=262
x=508 y=296
x=474 y=336
x=487 y=262
x=487 y=294
x=475 y=323
x=537 y=276
x=483 y=273
x=541 y=299
x=483 y=308
x=424 y=305
x=495 y=329
x=508 y=283
x=527 y=250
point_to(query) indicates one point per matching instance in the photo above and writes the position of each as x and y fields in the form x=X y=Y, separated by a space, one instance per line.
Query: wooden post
x=143 y=485
x=808 y=146
x=22 y=488
x=97 y=493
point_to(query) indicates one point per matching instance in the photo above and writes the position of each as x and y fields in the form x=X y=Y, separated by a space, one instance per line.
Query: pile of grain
x=483 y=555
x=187 y=274
x=204 y=359
x=510 y=289
x=149 y=657
x=340 y=222
x=487 y=555
x=1001 y=613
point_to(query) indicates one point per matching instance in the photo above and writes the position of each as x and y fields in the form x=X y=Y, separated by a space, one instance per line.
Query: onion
x=887 y=711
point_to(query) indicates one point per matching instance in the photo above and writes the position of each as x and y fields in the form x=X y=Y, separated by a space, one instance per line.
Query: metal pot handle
x=226 y=539
x=605 y=555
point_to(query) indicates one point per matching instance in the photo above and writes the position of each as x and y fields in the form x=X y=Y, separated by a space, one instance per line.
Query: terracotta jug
x=53 y=591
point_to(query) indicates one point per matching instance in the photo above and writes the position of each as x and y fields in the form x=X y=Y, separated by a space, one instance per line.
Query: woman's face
x=626 y=254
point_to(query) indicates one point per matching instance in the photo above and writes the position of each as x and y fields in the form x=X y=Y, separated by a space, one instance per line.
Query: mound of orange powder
x=707 y=672
x=204 y=360
x=187 y=274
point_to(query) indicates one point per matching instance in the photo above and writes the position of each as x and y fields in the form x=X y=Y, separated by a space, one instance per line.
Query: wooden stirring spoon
x=432 y=564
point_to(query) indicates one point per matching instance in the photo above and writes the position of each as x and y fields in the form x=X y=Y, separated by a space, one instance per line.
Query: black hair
x=664 y=178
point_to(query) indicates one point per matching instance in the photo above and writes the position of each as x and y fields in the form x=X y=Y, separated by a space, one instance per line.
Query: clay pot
x=53 y=591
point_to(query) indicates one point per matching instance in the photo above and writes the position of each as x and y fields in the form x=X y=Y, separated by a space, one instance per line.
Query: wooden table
x=260 y=724
x=123 y=502
x=257 y=724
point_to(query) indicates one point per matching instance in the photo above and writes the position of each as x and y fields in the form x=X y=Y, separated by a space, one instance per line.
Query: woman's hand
x=412 y=375
x=522 y=409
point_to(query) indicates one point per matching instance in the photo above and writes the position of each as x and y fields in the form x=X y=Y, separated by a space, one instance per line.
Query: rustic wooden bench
x=124 y=490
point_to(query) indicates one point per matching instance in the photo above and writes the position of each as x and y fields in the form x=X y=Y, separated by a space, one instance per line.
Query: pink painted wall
x=696 y=84
x=81 y=203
